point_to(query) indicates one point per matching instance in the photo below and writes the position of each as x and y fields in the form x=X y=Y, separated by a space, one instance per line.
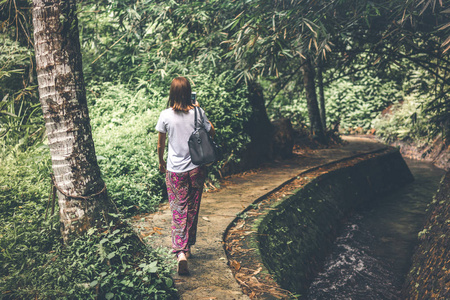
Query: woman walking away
x=184 y=179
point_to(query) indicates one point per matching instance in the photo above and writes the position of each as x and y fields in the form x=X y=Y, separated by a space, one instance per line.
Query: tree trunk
x=323 y=117
x=82 y=195
x=311 y=99
x=260 y=129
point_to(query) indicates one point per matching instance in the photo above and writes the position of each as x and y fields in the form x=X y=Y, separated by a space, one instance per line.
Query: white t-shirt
x=179 y=127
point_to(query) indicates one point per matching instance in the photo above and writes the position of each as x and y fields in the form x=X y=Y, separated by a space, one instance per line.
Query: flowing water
x=372 y=253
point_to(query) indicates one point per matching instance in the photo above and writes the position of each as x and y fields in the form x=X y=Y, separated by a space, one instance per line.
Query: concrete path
x=210 y=277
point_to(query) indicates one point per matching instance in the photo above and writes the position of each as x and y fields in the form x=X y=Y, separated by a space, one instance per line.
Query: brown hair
x=180 y=94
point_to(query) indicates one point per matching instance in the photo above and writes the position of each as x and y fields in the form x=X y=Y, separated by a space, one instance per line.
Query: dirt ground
x=210 y=274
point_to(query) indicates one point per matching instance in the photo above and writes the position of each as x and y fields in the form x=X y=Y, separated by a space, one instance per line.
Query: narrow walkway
x=210 y=276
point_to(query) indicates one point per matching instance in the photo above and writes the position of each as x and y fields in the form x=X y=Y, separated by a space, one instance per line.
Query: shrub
x=411 y=119
x=123 y=125
x=404 y=121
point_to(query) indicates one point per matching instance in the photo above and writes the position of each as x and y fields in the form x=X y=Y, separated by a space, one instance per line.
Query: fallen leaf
x=235 y=264
x=257 y=271
x=254 y=281
x=239 y=226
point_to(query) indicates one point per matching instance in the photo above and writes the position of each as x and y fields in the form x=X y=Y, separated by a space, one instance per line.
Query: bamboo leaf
x=425 y=7
x=309 y=26
x=444 y=26
x=446 y=43
x=7 y=113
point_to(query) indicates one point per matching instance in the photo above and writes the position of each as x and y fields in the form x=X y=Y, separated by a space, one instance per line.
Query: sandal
x=182 y=267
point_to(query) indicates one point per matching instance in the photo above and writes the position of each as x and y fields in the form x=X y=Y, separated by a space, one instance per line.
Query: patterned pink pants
x=185 y=193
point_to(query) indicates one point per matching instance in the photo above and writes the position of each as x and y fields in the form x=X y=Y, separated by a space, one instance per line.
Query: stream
x=372 y=253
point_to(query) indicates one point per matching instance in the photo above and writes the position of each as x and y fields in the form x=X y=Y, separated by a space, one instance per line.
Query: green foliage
x=98 y=32
x=111 y=264
x=226 y=105
x=123 y=123
x=14 y=60
x=33 y=263
x=291 y=106
x=411 y=119
x=354 y=101
x=141 y=39
x=20 y=114
x=25 y=237
x=146 y=45
x=24 y=181
x=403 y=121
x=106 y=265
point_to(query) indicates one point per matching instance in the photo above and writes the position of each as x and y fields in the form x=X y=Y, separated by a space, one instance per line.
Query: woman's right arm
x=161 y=148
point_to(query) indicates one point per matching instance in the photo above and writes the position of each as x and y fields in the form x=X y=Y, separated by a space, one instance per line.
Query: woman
x=184 y=179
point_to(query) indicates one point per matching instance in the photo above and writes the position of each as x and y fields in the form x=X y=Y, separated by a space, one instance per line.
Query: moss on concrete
x=429 y=276
x=295 y=237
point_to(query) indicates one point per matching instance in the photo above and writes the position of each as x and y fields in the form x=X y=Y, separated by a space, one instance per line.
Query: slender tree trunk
x=82 y=196
x=311 y=99
x=323 y=117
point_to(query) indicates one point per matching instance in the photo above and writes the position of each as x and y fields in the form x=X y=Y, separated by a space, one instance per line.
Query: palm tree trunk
x=82 y=195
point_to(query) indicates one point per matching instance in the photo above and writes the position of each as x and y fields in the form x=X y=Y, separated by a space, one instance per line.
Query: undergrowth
x=405 y=121
x=107 y=264
x=123 y=130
